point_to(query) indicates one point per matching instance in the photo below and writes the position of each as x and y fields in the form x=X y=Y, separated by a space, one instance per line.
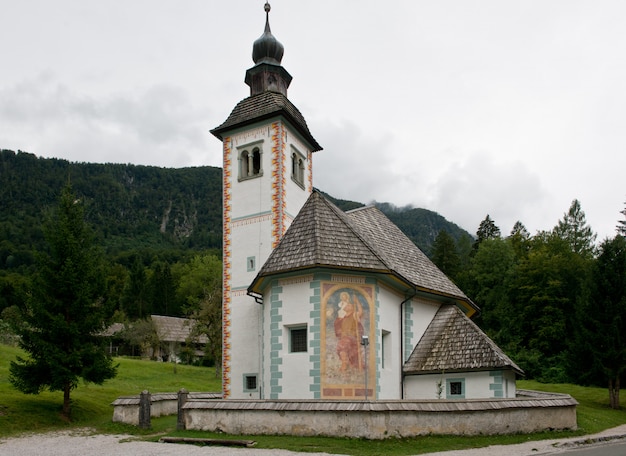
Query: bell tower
x=267 y=177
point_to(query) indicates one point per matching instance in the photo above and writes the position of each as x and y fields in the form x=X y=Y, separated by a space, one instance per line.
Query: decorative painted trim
x=294 y=280
x=497 y=384
x=315 y=338
x=279 y=201
x=276 y=345
x=347 y=278
x=249 y=220
x=226 y=260
x=309 y=159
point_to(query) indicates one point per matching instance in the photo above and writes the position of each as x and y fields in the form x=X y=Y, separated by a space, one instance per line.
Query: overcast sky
x=464 y=107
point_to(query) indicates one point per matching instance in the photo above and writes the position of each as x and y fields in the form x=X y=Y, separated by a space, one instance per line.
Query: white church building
x=321 y=304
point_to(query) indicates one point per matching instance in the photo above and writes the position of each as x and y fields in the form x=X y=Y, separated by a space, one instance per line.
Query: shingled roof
x=175 y=329
x=360 y=240
x=453 y=343
x=263 y=106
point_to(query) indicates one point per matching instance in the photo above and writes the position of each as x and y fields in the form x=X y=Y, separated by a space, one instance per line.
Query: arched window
x=250 y=161
x=298 y=163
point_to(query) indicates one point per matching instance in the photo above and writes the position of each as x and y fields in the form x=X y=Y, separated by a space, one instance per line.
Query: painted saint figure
x=348 y=330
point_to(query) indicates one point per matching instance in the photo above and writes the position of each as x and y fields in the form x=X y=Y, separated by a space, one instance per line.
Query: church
x=321 y=304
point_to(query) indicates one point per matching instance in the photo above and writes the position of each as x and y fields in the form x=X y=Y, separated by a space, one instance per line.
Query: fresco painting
x=346 y=317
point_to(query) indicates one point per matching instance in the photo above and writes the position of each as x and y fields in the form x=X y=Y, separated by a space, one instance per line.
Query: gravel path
x=82 y=443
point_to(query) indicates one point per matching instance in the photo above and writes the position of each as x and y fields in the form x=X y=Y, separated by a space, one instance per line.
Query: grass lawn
x=21 y=413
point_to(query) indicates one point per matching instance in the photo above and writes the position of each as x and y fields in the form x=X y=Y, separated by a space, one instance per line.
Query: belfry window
x=297 y=167
x=250 y=163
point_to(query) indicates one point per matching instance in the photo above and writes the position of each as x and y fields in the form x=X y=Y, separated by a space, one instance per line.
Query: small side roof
x=360 y=240
x=454 y=343
x=263 y=106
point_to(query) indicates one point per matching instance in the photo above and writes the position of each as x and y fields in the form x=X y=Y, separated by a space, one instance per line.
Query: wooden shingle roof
x=400 y=254
x=174 y=329
x=453 y=343
x=360 y=240
x=262 y=106
x=321 y=235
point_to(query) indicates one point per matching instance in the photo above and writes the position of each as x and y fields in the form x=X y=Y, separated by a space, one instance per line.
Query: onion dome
x=267 y=49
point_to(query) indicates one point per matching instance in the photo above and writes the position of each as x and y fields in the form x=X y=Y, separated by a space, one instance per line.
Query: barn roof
x=174 y=329
x=322 y=235
x=452 y=342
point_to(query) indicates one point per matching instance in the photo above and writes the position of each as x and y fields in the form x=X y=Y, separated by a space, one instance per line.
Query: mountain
x=135 y=207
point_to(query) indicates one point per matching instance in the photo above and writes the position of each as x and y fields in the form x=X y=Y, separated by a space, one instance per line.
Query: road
x=606 y=449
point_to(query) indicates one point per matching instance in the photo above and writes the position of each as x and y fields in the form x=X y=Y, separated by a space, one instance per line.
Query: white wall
x=478 y=385
x=389 y=321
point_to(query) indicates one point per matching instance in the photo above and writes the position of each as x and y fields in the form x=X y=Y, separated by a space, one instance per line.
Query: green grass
x=91 y=407
x=21 y=413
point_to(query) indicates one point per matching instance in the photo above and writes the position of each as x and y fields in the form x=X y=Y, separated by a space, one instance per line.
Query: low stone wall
x=127 y=409
x=529 y=412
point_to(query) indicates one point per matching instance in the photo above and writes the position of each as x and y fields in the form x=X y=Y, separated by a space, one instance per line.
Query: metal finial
x=267 y=7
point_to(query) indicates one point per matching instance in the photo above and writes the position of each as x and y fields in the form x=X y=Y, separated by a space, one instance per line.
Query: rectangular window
x=455 y=388
x=251 y=264
x=298 y=339
x=250 y=383
x=386 y=349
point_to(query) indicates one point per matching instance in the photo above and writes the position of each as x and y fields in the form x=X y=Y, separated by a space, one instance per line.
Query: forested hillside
x=129 y=206
x=139 y=207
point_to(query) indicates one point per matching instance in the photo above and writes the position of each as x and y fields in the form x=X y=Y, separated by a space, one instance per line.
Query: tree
x=445 y=254
x=574 y=229
x=62 y=318
x=520 y=239
x=201 y=287
x=486 y=230
x=621 y=227
x=605 y=322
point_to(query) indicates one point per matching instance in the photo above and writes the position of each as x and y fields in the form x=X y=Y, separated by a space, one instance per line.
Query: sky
x=464 y=107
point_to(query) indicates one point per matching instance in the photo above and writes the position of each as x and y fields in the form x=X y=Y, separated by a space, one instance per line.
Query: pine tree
x=605 y=320
x=486 y=230
x=621 y=228
x=573 y=228
x=445 y=254
x=64 y=314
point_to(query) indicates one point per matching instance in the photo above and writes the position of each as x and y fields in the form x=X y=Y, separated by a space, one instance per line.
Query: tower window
x=298 y=163
x=250 y=161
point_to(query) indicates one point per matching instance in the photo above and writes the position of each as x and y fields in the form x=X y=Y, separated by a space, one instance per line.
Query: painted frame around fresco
x=343 y=357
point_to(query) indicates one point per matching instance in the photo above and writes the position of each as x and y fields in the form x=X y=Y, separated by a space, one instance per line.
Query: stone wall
x=382 y=419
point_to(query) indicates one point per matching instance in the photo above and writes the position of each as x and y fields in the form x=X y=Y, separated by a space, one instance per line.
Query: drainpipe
x=402 y=341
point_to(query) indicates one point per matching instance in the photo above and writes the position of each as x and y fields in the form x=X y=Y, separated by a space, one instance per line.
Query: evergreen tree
x=445 y=254
x=520 y=239
x=621 y=227
x=64 y=315
x=486 y=230
x=574 y=229
x=605 y=321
